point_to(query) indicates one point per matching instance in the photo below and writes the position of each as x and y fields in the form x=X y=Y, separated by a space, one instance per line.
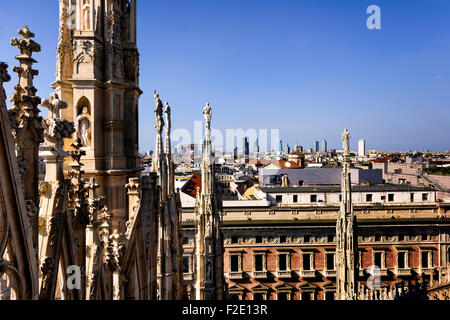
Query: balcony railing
x=329 y=273
x=402 y=271
x=233 y=275
x=259 y=274
x=307 y=273
x=284 y=274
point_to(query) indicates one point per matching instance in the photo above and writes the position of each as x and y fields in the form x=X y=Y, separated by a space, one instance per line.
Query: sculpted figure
x=158 y=113
x=86 y=15
x=207 y=115
x=346 y=141
x=84 y=127
x=168 y=116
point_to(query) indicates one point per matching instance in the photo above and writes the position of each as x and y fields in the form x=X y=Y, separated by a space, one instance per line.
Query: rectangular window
x=295 y=198
x=377 y=237
x=258 y=296
x=234 y=239
x=340 y=198
x=259 y=262
x=306 y=239
x=283 y=296
x=306 y=261
x=424 y=196
x=329 y=295
x=411 y=197
x=186 y=267
x=425 y=259
x=282 y=239
x=313 y=198
x=401 y=260
x=258 y=239
x=330 y=238
x=378 y=259
x=369 y=197
x=390 y=197
x=401 y=237
x=283 y=262
x=234 y=263
x=279 y=199
x=185 y=240
x=424 y=237
x=330 y=261
x=306 y=296
x=383 y=198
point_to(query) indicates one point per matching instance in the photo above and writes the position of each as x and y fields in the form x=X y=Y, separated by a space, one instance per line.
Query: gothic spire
x=346 y=235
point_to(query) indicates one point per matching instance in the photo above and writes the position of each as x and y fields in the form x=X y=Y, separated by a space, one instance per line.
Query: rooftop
x=337 y=188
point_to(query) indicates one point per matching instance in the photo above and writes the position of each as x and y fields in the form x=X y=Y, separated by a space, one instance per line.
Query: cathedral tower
x=346 y=235
x=98 y=76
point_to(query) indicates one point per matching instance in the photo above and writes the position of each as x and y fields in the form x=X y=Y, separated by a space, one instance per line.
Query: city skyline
x=294 y=66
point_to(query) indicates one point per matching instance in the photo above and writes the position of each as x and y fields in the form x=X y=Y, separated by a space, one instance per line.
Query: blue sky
x=309 y=68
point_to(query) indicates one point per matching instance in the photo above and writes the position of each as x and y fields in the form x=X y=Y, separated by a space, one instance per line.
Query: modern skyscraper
x=281 y=145
x=361 y=148
x=245 y=146
x=317 y=146
x=256 y=147
x=324 y=146
x=287 y=149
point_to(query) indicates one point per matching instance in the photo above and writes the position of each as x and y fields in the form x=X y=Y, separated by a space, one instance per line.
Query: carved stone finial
x=25 y=44
x=54 y=104
x=55 y=129
x=133 y=185
x=4 y=76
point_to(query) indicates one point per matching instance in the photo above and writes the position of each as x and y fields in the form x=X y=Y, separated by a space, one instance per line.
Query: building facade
x=289 y=252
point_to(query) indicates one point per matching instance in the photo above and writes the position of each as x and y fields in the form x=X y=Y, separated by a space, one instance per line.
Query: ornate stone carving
x=83 y=51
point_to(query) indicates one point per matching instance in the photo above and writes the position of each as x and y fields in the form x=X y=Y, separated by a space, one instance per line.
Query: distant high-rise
x=281 y=145
x=361 y=148
x=287 y=149
x=324 y=146
x=317 y=145
x=256 y=147
x=245 y=146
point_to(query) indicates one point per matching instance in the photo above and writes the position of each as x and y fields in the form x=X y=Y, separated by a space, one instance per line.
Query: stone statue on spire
x=168 y=117
x=158 y=113
x=346 y=141
x=207 y=113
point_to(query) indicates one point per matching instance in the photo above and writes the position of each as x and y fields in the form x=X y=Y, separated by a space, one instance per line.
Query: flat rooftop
x=355 y=188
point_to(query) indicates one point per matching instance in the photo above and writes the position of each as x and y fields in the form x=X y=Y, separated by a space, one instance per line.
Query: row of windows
x=369 y=198
x=330 y=238
x=282 y=296
x=308 y=262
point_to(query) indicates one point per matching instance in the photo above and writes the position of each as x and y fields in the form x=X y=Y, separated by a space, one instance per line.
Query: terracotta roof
x=381 y=159
x=283 y=164
x=190 y=187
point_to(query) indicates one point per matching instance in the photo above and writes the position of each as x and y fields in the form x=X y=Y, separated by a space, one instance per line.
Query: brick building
x=288 y=251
